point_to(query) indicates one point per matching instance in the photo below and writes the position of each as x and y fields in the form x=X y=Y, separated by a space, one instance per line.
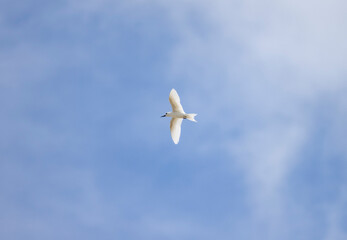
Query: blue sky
x=85 y=154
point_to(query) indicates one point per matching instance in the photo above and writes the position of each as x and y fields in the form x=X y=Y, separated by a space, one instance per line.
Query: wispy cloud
x=271 y=64
x=266 y=78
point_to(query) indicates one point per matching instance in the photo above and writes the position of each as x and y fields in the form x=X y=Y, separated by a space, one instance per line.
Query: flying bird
x=177 y=115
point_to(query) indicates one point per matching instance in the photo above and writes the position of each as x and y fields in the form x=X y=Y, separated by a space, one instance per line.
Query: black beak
x=163 y=116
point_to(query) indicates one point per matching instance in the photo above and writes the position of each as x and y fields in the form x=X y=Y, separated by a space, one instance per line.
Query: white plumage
x=177 y=116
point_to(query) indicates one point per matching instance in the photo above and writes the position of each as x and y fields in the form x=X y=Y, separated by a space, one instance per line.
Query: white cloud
x=262 y=67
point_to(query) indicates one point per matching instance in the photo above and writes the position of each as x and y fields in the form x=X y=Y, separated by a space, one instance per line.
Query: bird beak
x=163 y=116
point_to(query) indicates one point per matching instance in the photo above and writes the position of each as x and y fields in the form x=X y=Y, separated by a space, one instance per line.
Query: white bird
x=177 y=116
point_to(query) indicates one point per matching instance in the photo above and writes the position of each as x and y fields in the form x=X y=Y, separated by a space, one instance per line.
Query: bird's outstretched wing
x=175 y=127
x=175 y=101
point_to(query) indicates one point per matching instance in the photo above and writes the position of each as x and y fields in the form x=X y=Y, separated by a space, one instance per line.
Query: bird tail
x=191 y=116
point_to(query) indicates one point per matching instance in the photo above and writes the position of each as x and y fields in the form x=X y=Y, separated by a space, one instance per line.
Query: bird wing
x=175 y=127
x=175 y=101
